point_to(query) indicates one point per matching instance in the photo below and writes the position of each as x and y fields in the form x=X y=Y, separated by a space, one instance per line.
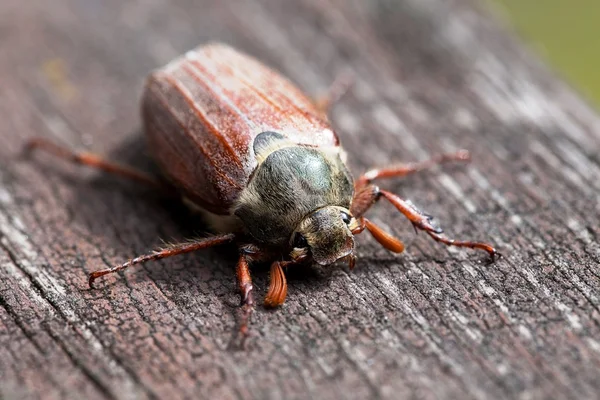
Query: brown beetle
x=260 y=159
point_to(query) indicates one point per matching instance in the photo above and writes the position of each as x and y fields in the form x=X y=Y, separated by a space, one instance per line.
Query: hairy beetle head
x=324 y=235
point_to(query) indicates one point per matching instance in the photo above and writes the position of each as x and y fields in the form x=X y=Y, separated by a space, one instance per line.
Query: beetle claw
x=494 y=256
x=91 y=280
x=426 y=224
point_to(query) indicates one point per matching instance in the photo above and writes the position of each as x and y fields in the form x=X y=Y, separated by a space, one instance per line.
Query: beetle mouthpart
x=326 y=256
x=299 y=254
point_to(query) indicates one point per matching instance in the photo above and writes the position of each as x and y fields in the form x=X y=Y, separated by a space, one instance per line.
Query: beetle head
x=324 y=235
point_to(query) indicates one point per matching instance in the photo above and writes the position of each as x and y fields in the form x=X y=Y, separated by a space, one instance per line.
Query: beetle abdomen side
x=188 y=148
x=202 y=112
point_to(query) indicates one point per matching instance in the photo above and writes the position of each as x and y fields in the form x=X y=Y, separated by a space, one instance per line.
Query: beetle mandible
x=260 y=159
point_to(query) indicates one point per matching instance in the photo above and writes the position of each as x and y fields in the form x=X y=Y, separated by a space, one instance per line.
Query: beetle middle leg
x=169 y=251
x=92 y=160
x=401 y=170
x=370 y=194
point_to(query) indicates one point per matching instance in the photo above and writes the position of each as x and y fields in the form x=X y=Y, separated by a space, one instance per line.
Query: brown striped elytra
x=260 y=160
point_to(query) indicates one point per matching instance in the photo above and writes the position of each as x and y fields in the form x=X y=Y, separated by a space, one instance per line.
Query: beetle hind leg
x=334 y=93
x=91 y=160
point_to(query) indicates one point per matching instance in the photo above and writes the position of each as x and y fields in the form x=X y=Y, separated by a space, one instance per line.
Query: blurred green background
x=564 y=32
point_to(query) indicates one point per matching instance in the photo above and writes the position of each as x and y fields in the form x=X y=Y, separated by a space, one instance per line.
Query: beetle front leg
x=370 y=194
x=246 y=293
x=401 y=170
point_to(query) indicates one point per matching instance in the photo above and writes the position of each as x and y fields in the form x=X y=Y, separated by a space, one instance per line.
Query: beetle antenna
x=277 y=285
x=170 y=250
x=385 y=239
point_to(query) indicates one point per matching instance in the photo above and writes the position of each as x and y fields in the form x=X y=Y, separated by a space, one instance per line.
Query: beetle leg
x=335 y=92
x=91 y=160
x=246 y=291
x=171 y=250
x=368 y=195
x=410 y=168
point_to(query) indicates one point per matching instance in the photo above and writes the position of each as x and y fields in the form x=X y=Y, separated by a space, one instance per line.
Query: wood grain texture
x=432 y=76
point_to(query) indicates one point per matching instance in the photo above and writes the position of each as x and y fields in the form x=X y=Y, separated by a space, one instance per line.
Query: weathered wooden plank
x=432 y=323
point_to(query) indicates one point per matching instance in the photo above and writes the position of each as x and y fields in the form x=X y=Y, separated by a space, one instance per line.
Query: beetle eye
x=346 y=218
x=300 y=241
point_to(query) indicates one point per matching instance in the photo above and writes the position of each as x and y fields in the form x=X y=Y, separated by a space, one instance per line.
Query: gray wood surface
x=432 y=76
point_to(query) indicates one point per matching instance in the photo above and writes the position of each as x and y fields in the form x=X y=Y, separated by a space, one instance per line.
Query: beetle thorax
x=290 y=183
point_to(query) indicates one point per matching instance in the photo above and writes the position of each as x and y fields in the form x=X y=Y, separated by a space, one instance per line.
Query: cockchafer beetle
x=260 y=159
